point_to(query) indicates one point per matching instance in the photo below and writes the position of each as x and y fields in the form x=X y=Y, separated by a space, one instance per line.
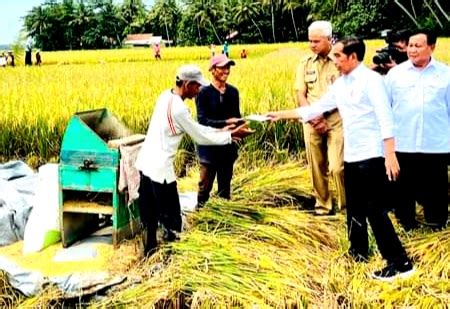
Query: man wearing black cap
x=217 y=106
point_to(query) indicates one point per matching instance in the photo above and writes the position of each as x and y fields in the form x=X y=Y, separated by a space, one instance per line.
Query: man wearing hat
x=171 y=119
x=217 y=106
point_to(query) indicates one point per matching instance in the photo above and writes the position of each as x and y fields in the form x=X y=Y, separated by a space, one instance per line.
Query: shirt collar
x=355 y=73
x=316 y=57
x=410 y=65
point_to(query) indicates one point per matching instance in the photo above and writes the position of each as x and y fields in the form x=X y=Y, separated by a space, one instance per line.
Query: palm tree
x=109 y=21
x=272 y=5
x=37 y=21
x=246 y=10
x=291 y=5
x=206 y=12
x=207 y=15
x=133 y=14
x=166 y=12
x=80 y=20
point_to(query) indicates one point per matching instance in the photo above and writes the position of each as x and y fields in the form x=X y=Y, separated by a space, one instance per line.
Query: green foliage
x=357 y=19
x=70 y=24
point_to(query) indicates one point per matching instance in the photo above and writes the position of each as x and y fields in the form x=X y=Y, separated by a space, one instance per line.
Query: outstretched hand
x=290 y=114
x=241 y=131
x=274 y=116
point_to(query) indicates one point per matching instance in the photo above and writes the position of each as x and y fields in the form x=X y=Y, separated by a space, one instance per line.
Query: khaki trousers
x=325 y=156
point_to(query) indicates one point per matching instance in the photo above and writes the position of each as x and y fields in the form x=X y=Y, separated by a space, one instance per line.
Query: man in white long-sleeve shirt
x=361 y=99
x=419 y=91
x=171 y=119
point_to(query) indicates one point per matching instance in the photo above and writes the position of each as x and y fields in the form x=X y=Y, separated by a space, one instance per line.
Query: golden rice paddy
x=260 y=250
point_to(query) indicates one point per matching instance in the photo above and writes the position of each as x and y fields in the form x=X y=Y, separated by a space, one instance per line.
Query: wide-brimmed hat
x=220 y=60
x=191 y=72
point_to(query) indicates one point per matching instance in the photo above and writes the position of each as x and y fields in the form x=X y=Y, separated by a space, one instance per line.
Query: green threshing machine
x=88 y=176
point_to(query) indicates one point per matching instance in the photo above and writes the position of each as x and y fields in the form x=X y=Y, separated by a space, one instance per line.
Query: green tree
x=247 y=10
x=291 y=6
x=81 y=22
x=207 y=12
x=134 y=16
x=109 y=23
x=166 y=13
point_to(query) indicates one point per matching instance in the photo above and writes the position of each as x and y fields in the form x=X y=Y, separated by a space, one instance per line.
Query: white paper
x=259 y=118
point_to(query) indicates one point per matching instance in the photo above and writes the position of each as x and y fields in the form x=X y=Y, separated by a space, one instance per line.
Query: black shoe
x=148 y=252
x=394 y=271
x=170 y=235
x=410 y=226
x=435 y=227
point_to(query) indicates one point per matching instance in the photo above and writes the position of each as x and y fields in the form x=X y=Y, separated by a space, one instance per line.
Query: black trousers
x=28 y=58
x=158 y=203
x=365 y=188
x=208 y=172
x=423 y=179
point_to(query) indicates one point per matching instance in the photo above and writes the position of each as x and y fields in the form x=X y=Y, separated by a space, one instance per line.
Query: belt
x=326 y=114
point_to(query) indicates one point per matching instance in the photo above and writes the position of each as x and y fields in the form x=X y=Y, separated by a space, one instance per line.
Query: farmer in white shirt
x=361 y=98
x=419 y=91
x=171 y=119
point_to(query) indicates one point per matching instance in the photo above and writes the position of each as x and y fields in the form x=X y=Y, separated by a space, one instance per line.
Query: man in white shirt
x=171 y=119
x=419 y=92
x=361 y=99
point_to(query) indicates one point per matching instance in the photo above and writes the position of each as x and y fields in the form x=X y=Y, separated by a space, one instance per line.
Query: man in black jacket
x=217 y=106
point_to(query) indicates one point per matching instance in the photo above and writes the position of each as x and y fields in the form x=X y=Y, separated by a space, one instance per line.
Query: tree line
x=95 y=24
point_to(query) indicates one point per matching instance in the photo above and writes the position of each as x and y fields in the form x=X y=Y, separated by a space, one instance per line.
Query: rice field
x=37 y=102
x=260 y=250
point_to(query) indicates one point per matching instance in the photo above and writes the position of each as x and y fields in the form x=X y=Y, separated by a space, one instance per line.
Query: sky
x=10 y=18
x=11 y=12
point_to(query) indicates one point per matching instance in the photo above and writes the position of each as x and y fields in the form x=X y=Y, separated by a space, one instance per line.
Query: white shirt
x=421 y=105
x=363 y=105
x=170 y=120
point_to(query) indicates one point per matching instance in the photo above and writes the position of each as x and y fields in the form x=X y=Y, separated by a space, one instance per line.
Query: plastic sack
x=43 y=227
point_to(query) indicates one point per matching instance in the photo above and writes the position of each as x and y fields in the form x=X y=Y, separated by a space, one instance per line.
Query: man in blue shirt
x=217 y=107
x=419 y=92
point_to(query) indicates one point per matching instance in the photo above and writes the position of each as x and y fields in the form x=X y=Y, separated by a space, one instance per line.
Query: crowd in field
x=7 y=59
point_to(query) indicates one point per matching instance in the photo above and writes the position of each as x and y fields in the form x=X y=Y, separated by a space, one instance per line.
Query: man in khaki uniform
x=323 y=135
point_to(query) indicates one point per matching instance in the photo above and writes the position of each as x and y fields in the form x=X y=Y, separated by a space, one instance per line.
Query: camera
x=393 y=51
x=387 y=53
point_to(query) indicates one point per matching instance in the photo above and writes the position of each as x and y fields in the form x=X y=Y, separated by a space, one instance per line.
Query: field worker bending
x=217 y=106
x=361 y=98
x=324 y=140
x=419 y=92
x=171 y=119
